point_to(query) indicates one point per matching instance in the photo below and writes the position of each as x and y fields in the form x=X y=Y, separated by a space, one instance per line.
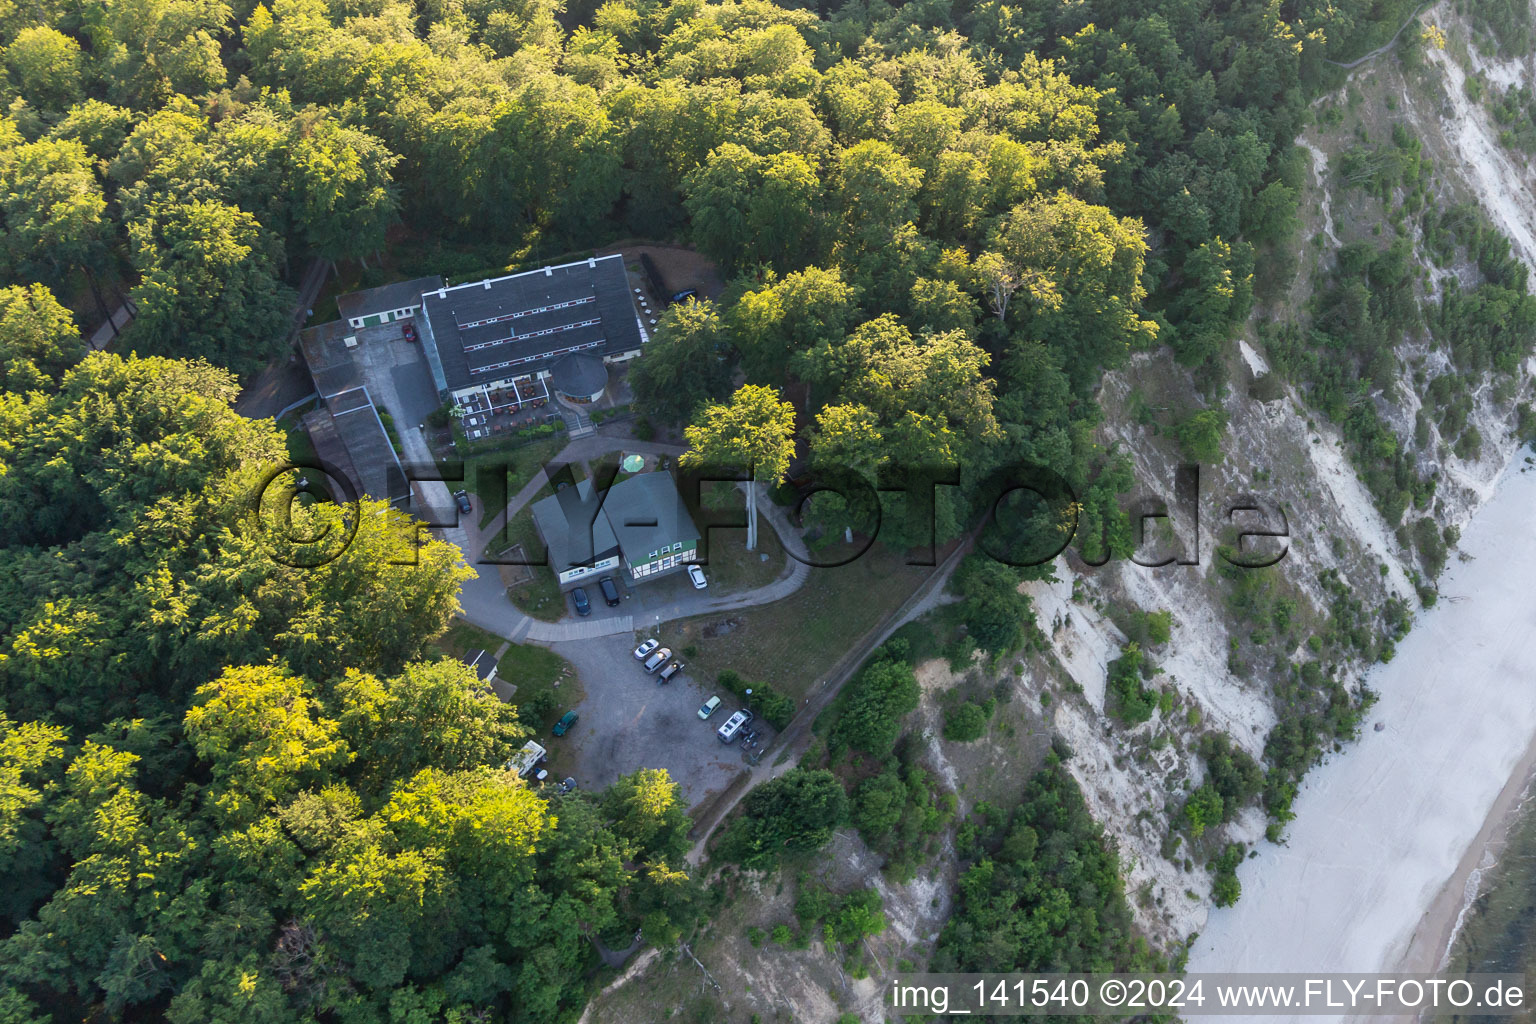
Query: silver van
x=732 y=726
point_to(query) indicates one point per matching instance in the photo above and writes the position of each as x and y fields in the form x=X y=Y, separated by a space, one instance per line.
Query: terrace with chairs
x=506 y=408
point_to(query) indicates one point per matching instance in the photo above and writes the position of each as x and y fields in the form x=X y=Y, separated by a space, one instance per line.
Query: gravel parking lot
x=628 y=721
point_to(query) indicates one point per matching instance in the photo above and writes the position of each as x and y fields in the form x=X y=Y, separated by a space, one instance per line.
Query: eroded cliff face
x=1286 y=452
x=1220 y=677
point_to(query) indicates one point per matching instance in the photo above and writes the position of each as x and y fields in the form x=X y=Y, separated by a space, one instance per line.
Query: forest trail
x=1385 y=46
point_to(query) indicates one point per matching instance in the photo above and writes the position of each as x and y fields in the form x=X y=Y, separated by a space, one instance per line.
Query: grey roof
x=331 y=381
x=579 y=374
x=323 y=434
x=386 y=298
x=574 y=526
x=506 y=326
x=330 y=364
x=370 y=463
x=482 y=662
x=349 y=438
x=646 y=512
x=378 y=467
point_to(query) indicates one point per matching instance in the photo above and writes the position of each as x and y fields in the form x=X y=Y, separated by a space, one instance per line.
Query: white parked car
x=697 y=575
x=644 y=650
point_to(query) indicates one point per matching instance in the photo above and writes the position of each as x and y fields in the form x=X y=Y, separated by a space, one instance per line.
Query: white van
x=732 y=726
x=527 y=759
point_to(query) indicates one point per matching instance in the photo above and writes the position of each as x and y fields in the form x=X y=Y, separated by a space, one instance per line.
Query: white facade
x=385 y=317
x=580 y=572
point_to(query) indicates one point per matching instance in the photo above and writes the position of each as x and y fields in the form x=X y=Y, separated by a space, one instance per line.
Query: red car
x=409 y=329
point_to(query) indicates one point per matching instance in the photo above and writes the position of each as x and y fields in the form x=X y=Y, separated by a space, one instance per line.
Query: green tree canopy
x=208 y=286
x=688 y=363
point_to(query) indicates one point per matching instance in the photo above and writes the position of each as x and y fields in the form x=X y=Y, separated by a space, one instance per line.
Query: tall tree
x=47 y=66
x=38 y=339
x=53 y=209
x=343 y=177
x=877 y=191
x=263 y=736
x=686 y=364
x=207 y=287
x=748 y=208
x=754 y=430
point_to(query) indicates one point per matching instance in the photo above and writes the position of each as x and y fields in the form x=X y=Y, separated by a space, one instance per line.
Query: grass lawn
x=793 y=643
x=732 y=567
x=462 y=637
x=300 y=449
x=540 y=597
x=546 y=688
x=496 y=477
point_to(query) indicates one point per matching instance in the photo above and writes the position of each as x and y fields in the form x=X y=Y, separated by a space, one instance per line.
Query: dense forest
x=232 y=789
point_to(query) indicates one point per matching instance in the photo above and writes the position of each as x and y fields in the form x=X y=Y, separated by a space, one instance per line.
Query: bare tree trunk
x=752 y=513
x=101 y=303
x=709 y=977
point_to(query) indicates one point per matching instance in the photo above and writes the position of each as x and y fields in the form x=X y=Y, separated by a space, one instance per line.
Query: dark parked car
x=579 y=599
x=670 y=671
x=409 y=330
x=461 y=498
x=566 y=721
x=610 y=591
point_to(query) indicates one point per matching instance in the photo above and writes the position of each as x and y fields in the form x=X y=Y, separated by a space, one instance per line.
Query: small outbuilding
x=483 y=663
x=375 y=306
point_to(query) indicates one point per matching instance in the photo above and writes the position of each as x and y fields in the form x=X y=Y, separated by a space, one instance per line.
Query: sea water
x=1497 y=933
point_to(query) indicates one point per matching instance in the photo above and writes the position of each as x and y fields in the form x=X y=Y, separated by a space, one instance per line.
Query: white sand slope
x=1383 y=831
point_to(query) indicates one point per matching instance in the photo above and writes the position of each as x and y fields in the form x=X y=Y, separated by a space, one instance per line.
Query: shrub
x=764 y=701
x=899 y=813
x=877 y=699
x=795 y=813
x=1430 y=542
x=1203 y=810
x=997 y=617
x=1236 y=776
x=1226 y=889
x=859 y=916
x=1200 y=436
x=774 y=708
x=814 y=903
x=878 y=803
x=1041 y=891
x=1133 y=702
x=967 y=722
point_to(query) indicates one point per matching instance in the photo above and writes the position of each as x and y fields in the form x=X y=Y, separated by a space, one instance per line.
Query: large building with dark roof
x=493 y=343
x=641 y=522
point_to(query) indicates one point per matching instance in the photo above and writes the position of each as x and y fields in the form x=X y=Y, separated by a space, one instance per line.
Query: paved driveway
x=399 y=381
x=628 y=721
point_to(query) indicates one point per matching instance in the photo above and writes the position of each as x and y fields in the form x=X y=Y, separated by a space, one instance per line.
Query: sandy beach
x=1373 y=872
